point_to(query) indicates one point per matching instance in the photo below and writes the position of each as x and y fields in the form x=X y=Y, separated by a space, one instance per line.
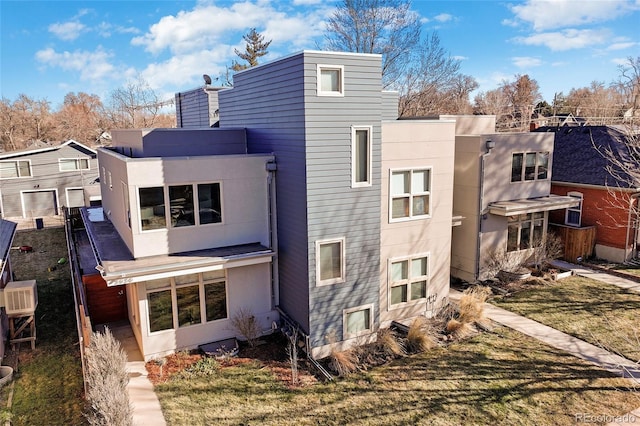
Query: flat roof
x=533 y=205
x=117 y=265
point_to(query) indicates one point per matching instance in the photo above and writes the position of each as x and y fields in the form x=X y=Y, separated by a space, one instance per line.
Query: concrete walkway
x=145 y=403
x=570 y=344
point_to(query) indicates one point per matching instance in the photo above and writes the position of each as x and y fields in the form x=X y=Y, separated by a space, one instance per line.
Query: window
x=410 y=194
x=573 y=216
x=330 y=80
x=127 y=207
x=330 y=261
x=152 y=214
x=524 y=231
x=408 y=280
x=361 y=156
x=529 y=166
x=15 y=169
x=181 y=205
x=209 y=205
x=357 y=321
x=176 y=302
x=70 y=164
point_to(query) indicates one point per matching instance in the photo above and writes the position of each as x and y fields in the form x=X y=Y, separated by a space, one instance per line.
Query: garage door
x=39 y=203
x=75 y=197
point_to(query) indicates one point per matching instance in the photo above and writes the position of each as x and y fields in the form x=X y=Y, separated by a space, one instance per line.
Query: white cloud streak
x=566 y=39
x=67 y=31
x=92 y=66
x=526 y=62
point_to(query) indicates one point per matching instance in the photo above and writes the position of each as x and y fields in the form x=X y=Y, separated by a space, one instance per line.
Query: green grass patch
x=599 y=313
x=496 y=378
x=48 y=385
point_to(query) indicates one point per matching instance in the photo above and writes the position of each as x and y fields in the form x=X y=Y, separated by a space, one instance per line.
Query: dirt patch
x=268 y=353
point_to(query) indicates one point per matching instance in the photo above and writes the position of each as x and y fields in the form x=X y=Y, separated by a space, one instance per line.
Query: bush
x=343 y=362
x=459 y=330
x=389 y=344
x=107 y=381
x=421 y=336
x=471 y=306
x=245 y=323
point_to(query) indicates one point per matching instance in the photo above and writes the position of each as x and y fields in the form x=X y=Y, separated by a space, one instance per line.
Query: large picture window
x=361 y=155
x=525 y=230
x=15 y=169
x=152 y=211
x=330 y=261
x=410 y=194
x=178 y=302
x=528 y=166
x=408 y=279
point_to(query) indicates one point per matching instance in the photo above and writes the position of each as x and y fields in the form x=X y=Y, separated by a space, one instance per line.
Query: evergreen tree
x=255 y=48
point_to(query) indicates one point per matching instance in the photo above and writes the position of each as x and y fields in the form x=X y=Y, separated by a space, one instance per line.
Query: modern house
x=39 y=182
x=359 y=235
x=502 y=188
x=608 y=196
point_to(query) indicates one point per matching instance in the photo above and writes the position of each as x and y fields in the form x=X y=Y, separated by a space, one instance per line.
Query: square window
x=330 y=261
x=419 y=290
x=410 y=194
x=357 y=321
x=398 y=294
x=330 y=80
x=408 y=280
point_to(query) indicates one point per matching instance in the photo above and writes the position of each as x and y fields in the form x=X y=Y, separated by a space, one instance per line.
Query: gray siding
x=311 y=137
x=46 y=175
x=390 y=105
x=274 y=116
x=197 y=107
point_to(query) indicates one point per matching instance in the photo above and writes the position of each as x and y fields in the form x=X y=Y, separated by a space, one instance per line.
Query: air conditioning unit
x=20 y=298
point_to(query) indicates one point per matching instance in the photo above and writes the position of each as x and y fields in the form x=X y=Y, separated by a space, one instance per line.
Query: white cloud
x=105 y=29
x=526 y=61
x=550 y=14
x=209 y=25
x=306 y=2
x=67 y=31
x=443 y=17
x=566 y=39
x=622 y=45
x=92 y=66
x=460 y=58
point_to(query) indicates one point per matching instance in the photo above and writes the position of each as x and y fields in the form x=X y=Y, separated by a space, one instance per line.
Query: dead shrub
x=421 y=336
x=389 y=344
x=107 y=379
x=245 y=323
x=459 y=330
x=471 y=305
x=343 y=362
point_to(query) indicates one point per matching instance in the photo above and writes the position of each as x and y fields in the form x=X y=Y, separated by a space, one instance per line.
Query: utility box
x=20 y=298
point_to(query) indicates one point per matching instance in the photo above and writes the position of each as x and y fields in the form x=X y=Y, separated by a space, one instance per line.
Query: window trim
x=519 y=223
x=580 y=196
x=173 y=287
x=409 y=280
x=342 y=277
x=536 y=172
x=18 y=169
x=326 y=67
x=139 y=207
x=345 y=313
x=78 y=162
x=354 y=160
x=411 y=194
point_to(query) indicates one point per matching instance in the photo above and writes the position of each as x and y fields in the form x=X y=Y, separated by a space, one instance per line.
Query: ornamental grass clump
x=421 y=336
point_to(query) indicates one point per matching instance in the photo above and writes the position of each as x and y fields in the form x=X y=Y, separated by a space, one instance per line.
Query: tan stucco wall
x=417 y=144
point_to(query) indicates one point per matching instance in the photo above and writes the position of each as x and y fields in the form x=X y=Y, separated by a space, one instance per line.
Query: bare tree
x=136 y=105
x=255 y=47
x=629 y=83
x=386 y=27
x=81 y=117
x=24 y=121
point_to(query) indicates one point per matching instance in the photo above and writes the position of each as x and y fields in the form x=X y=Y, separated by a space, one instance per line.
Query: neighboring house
x=7 y=233
x=198 y=108
x=502 y=188
x=360 y=235
x=608 y=201
x=39 y=182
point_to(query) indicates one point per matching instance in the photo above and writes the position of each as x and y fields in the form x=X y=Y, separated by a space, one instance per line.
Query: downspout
x=489 y=145
x=633 y=197
x=271 y=167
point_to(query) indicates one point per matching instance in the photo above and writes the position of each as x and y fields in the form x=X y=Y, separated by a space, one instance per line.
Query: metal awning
x=533 y=205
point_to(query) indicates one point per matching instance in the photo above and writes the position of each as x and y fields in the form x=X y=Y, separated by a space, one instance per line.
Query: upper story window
x=408 y=280
x=361 y=156
x=525 y=231
x=70 y=164
x=15 y=169
x=330 y=261
x=330 y=80
x=573 y=216
x=410 y=192
x=152 y=211
x=181 y=205
x=527 y=166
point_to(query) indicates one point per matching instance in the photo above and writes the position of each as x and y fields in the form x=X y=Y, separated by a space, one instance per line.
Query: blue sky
x=50 y=48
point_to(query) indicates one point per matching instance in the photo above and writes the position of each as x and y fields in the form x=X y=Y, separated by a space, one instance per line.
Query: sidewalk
x=598 y=275
x=145 y=403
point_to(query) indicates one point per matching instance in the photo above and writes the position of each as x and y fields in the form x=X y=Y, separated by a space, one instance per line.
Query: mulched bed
x=270 y=353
